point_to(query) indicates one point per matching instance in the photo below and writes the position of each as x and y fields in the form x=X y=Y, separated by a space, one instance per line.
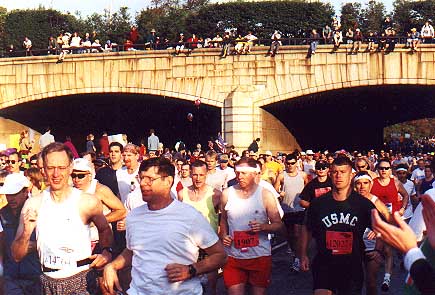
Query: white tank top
x=292 y=187
x=62 y=238
x=239 y=213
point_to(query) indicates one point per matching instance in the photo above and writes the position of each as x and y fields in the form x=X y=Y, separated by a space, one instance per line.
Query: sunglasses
x=291 y=163
x=384 y=168
x=11 y=162
x=322 y=168
x=361 y=167
x=34 y=163
x=2 y=183
x=79 y=176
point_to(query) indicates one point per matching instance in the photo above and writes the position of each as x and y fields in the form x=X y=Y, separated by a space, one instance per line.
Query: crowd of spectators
x=233 y=42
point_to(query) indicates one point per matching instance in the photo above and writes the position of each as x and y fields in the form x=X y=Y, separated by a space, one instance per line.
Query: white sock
x=387 y=275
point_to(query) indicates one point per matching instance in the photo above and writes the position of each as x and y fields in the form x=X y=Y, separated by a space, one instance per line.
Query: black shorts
x=340 y=278
x=291 y=218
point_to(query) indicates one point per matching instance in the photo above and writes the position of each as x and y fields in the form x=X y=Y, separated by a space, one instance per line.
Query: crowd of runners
x=140 y=221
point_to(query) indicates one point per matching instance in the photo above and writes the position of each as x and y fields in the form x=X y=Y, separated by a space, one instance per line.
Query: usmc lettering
x=341 y=218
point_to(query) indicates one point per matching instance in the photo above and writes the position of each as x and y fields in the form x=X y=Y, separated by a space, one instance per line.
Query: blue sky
x=87 y=7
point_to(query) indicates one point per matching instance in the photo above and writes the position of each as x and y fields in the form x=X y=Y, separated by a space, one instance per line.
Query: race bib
x=339 y=242
x=56 y=260
x=245 y=239
x=321 y=191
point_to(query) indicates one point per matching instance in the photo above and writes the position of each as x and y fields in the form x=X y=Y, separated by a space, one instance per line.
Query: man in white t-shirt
x=418 y=174
x=163 y=240
x=402 y=174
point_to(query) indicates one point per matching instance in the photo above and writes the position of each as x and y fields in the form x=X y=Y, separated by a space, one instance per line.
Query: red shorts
x=256 y=271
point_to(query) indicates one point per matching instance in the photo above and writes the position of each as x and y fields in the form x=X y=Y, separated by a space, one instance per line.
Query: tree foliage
x=410 y=14
x=373 y=16
x=351 y=15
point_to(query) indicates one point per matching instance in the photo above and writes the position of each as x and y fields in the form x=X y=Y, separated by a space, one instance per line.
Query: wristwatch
x=108 y=249
x=192 y=270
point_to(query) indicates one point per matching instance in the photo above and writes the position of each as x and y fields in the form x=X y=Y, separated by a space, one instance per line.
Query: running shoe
x=385 y=285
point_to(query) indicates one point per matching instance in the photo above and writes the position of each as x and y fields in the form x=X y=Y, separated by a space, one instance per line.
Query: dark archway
x=353 y=118
x=133 y=114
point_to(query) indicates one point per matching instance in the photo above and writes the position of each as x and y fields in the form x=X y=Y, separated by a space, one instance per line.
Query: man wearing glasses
x=290 y=184
x=163 y=239
x=61 y=216
x=13 y=163
x=387 y=188
x=320 y=185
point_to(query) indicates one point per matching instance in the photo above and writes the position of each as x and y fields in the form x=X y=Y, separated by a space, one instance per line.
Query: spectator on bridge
x=427 y=33
x=108 y=47
x=87 y=42
x=180 y=44
x=151 y=40
x=415 y=39
x=11 y=51
x=27 y=45
x=192 y=43
x=217 y=41
x=327 y=34
x=134 y=35
x=240 y=44
x=76 y=42
x=391 y=41
x=349 y=36
x=250 y=40
x=382 y=42
x=387 y=24
x=314 y=41
x=335 y=23
x=51 y=46
x=357 y=41
x=338 y=39
x=276 y=42
x=96 y=47
x=371 y=42
x=254 y=145
x=226 y=44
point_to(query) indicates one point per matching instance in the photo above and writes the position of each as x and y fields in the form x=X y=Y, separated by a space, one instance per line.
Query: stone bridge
x=242 y=86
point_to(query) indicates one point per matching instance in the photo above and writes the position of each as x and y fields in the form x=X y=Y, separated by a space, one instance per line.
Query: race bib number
x=339 y=242
x=245 y=239
x=321 y=191
x=56 y=261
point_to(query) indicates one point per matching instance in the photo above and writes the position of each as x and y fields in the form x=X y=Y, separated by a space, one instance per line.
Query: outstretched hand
x=429 y=218
x=401 y=237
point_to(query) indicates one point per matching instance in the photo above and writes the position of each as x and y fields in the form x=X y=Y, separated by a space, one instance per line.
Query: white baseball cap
x=82 y=164
x=269 y=153
x=14 y=183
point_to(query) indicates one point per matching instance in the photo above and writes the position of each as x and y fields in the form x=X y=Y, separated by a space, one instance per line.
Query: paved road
x=285 y=283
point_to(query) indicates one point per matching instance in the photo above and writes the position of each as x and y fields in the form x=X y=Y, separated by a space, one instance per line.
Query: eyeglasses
x=361 y=167
x=384 y=168
x=322 y=168
x=78 y=175
x=11 y=162
x=291 y=163
x=147 y=179
x=34 y=163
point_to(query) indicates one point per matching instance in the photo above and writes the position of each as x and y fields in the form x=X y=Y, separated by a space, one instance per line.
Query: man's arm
x=110 y=276
x=223 y=228
x=106 y=196
x=93 y=210
x=28 y=216
x=305 y=241
x=278 y=182
x=216 y=258
x=217 y=195
x=405 y=197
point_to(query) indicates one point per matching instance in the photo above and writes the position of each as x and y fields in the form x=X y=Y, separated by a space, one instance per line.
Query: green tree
x=410 y=14
x=373 y=16
x=351 y=16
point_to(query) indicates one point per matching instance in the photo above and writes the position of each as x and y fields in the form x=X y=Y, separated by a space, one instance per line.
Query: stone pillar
x=239 y=119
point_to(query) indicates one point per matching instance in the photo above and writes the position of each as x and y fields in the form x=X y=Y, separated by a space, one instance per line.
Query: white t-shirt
x=159 y=237
x=417 y=222
x=127 y=183
x=410 y=189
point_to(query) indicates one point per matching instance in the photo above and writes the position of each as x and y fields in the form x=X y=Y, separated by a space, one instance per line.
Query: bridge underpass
x=352 y=118
x=133 y=114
